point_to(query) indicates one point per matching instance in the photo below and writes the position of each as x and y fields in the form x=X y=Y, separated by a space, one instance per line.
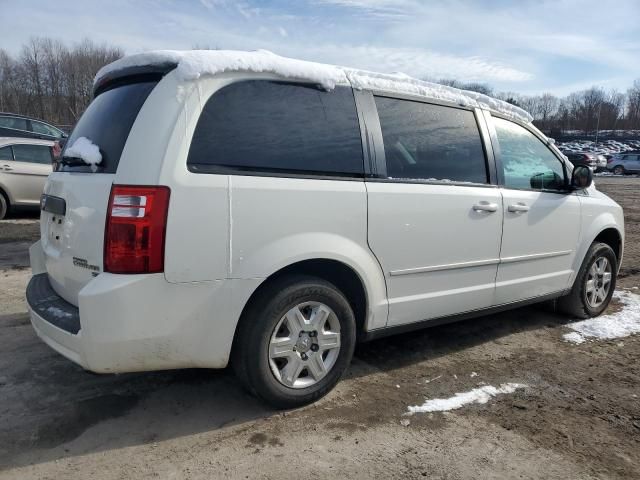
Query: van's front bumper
x=130 y=323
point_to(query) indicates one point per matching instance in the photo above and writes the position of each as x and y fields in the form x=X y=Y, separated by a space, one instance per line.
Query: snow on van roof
x=192 y=64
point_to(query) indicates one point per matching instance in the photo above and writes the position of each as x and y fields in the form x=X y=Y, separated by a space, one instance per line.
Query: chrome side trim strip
x=449 y=266
x=479 y=263
x=535 y=256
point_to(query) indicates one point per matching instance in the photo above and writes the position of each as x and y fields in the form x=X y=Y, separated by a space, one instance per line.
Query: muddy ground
x=578 y=417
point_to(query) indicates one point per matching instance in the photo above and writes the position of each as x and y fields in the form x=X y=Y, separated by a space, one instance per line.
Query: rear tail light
x=135 y=229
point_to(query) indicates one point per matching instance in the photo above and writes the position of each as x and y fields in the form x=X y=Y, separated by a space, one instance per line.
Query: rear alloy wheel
x=305 y=345
x=294 y=341
x=618 y=170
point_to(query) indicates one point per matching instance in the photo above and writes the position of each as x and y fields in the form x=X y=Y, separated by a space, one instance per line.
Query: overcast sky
x=523 y=46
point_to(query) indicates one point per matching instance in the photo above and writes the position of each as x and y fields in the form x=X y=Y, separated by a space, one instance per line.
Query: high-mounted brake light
x=135 y=229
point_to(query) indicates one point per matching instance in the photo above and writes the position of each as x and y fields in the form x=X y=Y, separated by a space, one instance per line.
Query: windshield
x=107 y=123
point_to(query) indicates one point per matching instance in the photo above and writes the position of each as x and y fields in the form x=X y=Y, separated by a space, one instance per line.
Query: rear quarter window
x=272 y=127
x=13 y=122
x=107 y=123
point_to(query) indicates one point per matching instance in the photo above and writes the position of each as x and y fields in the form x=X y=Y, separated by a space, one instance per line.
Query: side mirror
x=582 y=177
x=547 y=180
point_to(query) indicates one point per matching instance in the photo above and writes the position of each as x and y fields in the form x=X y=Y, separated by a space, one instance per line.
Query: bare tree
x=50 y=80
x=471 y=86
x=54 y=81
x=633 y=106
x=547 y=107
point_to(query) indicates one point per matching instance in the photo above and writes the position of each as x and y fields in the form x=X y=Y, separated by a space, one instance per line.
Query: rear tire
x=294 y=341
x=619 y=170
x=4 y=206
x=594 y=284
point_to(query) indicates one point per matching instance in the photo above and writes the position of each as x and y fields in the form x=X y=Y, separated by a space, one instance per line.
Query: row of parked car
x=618 y=164
x=27 y=153
x=617 y=157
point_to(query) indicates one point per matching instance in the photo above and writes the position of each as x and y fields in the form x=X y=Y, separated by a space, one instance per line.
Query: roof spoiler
x=124 y=76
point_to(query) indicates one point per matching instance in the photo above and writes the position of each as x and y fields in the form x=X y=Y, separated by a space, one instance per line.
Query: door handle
x=518 y=208
x=485 y=206
x=7 y=168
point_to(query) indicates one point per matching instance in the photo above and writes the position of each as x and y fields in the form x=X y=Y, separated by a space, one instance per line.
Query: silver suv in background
x=625 y=163
x=25 y=164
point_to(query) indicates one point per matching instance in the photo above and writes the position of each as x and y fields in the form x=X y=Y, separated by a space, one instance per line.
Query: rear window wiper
x=73 y=162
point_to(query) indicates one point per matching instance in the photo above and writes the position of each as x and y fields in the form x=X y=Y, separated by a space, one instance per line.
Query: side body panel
x=438 y=242
x=541 y=233
x=276 y=222
x=439 y=255
x=599 y=213
x=248 y=227
x=539 y=246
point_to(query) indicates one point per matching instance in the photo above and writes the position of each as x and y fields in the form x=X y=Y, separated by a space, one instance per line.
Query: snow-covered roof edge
x=192 y=64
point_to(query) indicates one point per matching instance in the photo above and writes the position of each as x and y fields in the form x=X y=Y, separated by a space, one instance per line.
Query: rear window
x=107 y=123
x=263 y=126
x=424 y=141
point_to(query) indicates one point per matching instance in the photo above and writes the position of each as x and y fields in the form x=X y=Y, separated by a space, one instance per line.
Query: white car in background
x=222 y=207
x=25 y=164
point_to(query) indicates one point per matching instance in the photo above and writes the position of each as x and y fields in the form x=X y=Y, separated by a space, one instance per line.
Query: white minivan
x=219 y=207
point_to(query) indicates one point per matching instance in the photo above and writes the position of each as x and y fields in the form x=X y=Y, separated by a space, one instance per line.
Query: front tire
x=594 y=284
x=295 y=341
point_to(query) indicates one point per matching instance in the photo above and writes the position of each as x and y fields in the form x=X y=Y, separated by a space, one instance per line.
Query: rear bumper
x=61 y=340
x=131 y=323
x=51 y=307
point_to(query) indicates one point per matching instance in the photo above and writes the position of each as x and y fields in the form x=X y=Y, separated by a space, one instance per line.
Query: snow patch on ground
x=574 y=337
x=459 y=400
x=615 y=325
x=195 y=63
x=84 y=149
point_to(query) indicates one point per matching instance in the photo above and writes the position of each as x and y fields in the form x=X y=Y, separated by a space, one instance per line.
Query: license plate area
x=53 y=204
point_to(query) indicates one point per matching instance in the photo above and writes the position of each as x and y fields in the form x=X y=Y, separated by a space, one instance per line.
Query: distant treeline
x=53 y=81
x=583 y=111
x=50 y=80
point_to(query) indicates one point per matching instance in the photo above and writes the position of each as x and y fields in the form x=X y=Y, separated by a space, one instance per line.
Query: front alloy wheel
x=594 y=284
x=598 y=282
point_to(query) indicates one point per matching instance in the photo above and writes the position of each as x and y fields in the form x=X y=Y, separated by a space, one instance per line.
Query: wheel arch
x=5 y=193
x=339 y=273
x=602 y=226
x=612 y=237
